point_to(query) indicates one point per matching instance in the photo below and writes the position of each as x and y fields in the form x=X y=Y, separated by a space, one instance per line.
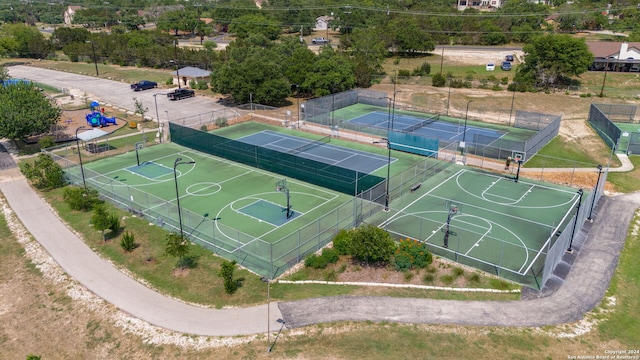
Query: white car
x=491 y=66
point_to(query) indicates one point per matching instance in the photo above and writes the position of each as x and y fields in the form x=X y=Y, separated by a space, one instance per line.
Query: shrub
x=46 y=141
x=341 y=242
x=411 y=254
x=422 y=70
x=331 y=275
x=127 y=243
x=428 y=278
x=371 y=244
x=100 y=219
x=203 y=128
x=408 y=275
x=226 y=272
x=474 y=278
x=438 y=80
x=114 y=223
x=44 y=173
x=316 y=261
x=447 y=279
x=169 y=81
x=221 y=122
x=80 y=199
x=331 y=255
x=404 y=73
x=202 y=85
x=328 y=256
x=457 y=272
x=192 y=84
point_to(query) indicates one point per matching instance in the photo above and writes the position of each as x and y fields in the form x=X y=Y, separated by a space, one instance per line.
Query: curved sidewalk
x=130 y=296
x=598 y=250
x=594 y=263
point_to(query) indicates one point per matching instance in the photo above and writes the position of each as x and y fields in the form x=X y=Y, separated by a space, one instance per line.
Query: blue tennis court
x=428 y=127
x=319 y=150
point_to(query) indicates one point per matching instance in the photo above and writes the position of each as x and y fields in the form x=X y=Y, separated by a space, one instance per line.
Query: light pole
x=95 y=58
x=80 y=157
x=513 y=98
x=298 y=102
x=580 y=192
x=449 y=96
x=175 y=178
x=175 y=61
x=595 y=193
x=464 y=132
x=155 y=100
x=388 y=142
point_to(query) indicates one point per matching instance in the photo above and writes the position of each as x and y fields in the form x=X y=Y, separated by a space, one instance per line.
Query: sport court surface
x=430 y=127
x=318 y=150
x=225 y=205
x=500 y=224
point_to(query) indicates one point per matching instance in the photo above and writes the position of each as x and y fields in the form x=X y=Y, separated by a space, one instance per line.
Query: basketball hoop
x=454 y=210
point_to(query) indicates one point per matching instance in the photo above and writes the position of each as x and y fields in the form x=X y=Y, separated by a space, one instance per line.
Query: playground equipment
x=96 y=116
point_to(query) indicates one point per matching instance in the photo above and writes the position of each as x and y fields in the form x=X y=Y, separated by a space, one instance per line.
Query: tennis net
x=417 y=126
x=311 y=145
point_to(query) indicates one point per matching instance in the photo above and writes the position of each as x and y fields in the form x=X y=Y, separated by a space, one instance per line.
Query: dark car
x=144 y=85
x=509 y=58
x=179 y=94
x=506 y=66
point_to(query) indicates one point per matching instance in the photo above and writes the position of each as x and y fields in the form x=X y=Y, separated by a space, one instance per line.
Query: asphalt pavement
x=595 y=257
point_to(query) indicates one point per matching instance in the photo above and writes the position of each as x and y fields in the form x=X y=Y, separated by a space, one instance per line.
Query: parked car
x=144 y=85
x=508 y=58
x=320 y=41
x=491 y=66
x=179 y=94
x=506 y=66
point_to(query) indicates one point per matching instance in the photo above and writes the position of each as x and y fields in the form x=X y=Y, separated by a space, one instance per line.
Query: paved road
x=569 y=297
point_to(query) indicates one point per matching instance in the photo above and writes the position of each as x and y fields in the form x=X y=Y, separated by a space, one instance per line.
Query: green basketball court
x=495 y=224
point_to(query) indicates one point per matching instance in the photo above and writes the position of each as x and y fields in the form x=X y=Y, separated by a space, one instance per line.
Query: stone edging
x=411 y=286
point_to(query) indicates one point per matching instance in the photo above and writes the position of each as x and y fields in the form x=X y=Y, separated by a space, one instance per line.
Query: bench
x=415 y=187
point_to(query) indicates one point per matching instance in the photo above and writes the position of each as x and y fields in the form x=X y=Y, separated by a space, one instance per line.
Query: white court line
x=418 y=199
x=477 y=243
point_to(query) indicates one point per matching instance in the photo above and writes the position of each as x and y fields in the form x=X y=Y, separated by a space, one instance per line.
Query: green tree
x=4 y=73
x=251 y=70
x=226 y=273
x=408 y=38
x=177 y=246
x=100 y=220
x=64 y=36
x=550 y=58
x=44 y=173
x=371 y=244
x=140 y=108
x=25 y=111
x=81 y=199
x=24 y=41
x=246 y=25
x=203 y=30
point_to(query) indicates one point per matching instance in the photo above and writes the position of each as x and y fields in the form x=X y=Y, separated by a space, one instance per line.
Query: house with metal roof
x=185 y=75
